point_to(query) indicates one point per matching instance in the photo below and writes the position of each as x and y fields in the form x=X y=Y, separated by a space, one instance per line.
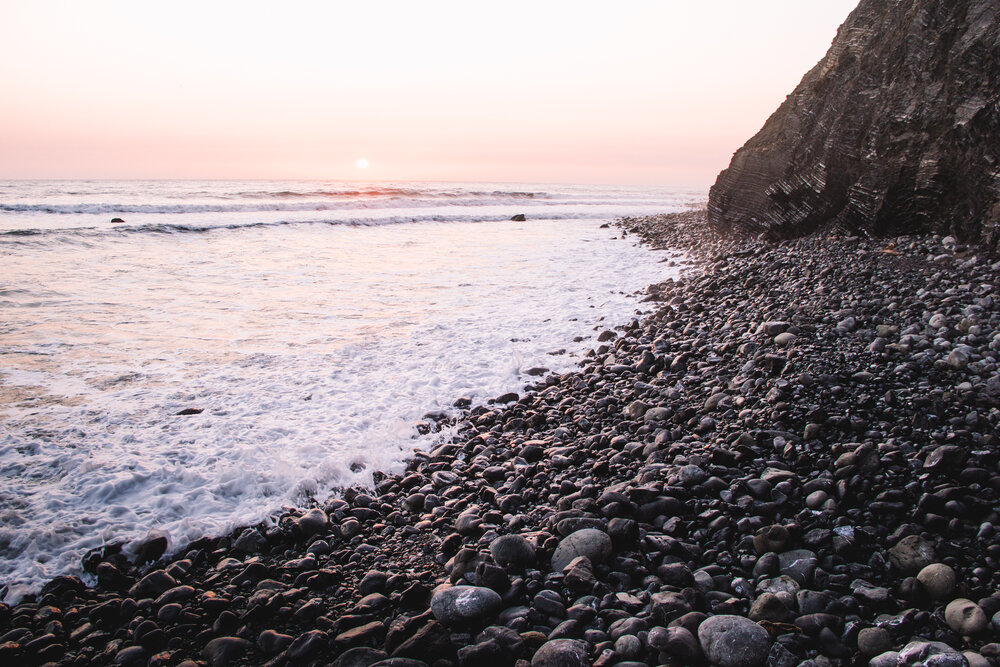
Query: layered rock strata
x=894 y=131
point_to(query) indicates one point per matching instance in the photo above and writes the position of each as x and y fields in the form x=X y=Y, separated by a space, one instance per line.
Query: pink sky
x=588 y=92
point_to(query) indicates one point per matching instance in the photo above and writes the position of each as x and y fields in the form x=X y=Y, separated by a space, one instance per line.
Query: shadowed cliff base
x=894 y=131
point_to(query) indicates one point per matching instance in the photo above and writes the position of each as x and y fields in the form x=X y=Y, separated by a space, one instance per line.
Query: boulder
x=464 y=604
x=733 y=641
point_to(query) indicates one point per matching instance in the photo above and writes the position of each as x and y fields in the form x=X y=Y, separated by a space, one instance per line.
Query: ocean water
x=312 y=323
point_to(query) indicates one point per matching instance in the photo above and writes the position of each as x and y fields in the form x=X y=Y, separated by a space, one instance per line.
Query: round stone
x=512 y=550
x=223 y=650
x=784 y=339
x=733 y=641
x=965 y=617
x=464 y=604
x=912 y=554
x=561 y=653
x=874 y=641
x=313 y=521
x=593 y=544
x=938 y=580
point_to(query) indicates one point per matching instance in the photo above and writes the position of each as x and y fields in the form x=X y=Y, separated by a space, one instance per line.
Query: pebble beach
x=793 y=461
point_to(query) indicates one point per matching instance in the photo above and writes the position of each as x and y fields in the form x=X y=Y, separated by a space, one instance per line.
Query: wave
x=389 y=192
x=180 y=209
x=121 y=229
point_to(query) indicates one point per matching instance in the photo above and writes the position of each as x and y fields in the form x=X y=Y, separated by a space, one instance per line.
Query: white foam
x=309 y=348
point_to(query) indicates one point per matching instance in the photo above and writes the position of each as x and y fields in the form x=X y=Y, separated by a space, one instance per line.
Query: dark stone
x=150 y=550
x=223 y=650
x=360 y=656
x=893 y=131
x=518 y=218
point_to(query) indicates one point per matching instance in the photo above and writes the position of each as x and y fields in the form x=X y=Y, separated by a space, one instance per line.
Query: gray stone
x=887 y=659
x=965 y=617
x=593 y=544
x=657 y=414
x=911 y=554
x=313 y=521
x=768 y=607
x=799 y=564
x=784 y=339
x=223 y=650
x=938 y=580
x=561 y=653
x=976 y=659
x=930 y=654
x=464 y=604
x=513 y=550
x=359 y=656
x=733 y=641
x=874 y=641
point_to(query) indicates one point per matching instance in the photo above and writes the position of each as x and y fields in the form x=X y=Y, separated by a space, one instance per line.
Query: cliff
x=894 y=131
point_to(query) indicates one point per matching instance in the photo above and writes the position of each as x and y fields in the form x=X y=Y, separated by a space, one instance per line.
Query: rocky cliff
x=895 y=130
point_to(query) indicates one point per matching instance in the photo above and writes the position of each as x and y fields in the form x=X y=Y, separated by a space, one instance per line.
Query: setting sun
x=362 y=163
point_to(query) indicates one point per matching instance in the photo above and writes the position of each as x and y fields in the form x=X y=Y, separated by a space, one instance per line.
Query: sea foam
x=312 y=350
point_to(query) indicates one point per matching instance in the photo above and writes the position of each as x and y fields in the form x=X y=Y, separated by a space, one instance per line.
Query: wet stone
x=595 y=545
x=733 y=641
x=464 y=604
x=561 y=653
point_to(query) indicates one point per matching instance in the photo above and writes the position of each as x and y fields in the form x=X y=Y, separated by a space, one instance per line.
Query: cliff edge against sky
x=894 y=131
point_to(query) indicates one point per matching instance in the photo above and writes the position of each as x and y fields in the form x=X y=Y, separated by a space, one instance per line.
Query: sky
x=544 y=91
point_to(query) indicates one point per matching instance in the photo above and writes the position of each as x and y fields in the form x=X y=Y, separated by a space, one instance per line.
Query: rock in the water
x=518 y=217
x=464 y=604
x=733 y=641
x=593 y=544
x=561 y=653
x=892 y=131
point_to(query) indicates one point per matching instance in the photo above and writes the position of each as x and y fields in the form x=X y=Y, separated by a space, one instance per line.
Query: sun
x=362 y=163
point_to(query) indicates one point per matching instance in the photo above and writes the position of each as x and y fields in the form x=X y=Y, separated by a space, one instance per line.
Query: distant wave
x=180 y=209
x=389 y=192
x=181 y=228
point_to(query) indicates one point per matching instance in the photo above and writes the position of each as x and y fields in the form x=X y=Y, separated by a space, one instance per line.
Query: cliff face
x=896 y=130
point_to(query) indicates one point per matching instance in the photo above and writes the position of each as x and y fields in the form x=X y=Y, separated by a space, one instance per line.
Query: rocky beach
x=793 y=461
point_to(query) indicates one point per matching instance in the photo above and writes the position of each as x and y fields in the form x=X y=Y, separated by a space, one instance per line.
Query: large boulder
x=893 y=131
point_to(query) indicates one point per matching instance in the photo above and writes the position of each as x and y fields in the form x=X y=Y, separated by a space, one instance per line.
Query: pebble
x=223 y=650
x=911 y=554
x=965 y=617
x=464 y=604
x=561 y=653
x=874 y=641
x=733 y=641
x=594 y=545
x=512 y=550
x=938 y=580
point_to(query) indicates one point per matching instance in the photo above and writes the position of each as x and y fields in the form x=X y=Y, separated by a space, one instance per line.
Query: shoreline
x=760 y=447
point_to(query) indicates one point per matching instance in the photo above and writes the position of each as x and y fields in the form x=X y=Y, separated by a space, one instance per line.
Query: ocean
x=307 y=326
